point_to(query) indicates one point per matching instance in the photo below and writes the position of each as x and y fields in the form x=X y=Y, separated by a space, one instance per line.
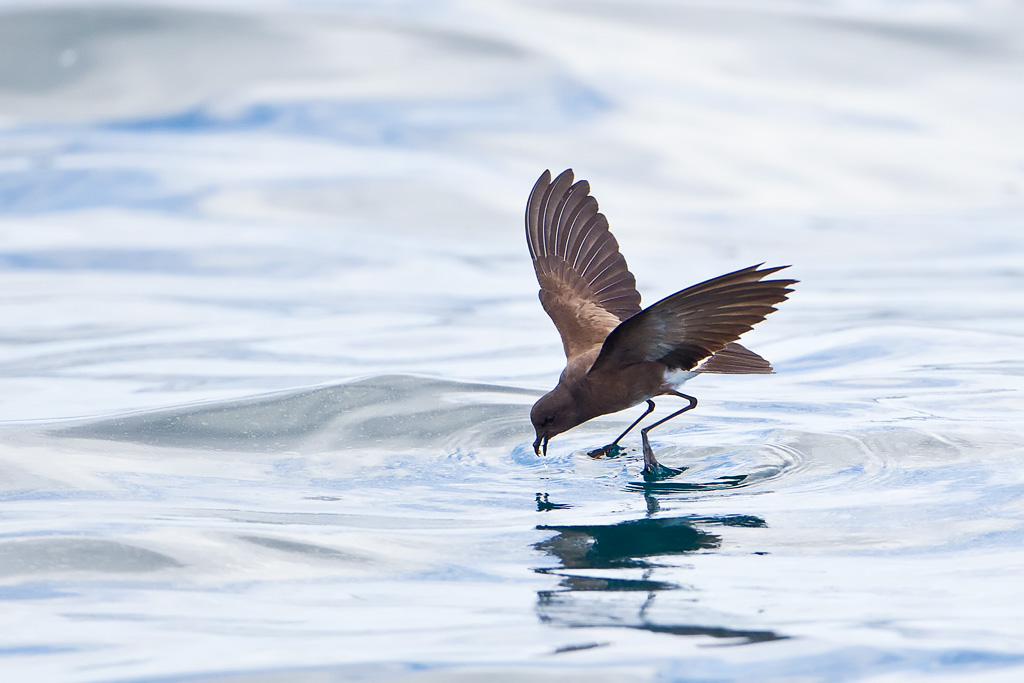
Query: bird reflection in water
x=621 y=590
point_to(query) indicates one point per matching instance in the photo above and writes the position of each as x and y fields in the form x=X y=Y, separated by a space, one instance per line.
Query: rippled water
x=270 y=336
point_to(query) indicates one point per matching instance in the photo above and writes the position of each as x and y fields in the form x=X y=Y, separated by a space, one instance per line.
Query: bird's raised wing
x=688 y=326
x=585 y=285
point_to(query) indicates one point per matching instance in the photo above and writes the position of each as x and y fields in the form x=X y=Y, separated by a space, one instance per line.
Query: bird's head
x=554 y=413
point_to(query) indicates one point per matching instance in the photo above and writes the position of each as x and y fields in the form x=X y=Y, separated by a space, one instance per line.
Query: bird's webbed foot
x=612 y=450
x=659 y=472
x=654 y=470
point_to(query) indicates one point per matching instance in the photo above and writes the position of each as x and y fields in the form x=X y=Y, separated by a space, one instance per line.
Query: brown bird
x=618 y=355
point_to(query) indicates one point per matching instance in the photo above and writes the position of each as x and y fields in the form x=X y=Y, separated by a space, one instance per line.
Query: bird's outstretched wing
x=585 y=285
x=697 y=322
x=735 y=360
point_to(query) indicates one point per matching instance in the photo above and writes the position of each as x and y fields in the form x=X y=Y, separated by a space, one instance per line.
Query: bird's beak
x=541 y=442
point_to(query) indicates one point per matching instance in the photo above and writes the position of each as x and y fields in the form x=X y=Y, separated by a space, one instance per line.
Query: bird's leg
x=653 y=470
x=613 y=446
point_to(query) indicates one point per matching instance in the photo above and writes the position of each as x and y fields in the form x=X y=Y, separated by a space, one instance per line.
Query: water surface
x=270 y=337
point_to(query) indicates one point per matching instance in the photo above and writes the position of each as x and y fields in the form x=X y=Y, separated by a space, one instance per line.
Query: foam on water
x=270 y=338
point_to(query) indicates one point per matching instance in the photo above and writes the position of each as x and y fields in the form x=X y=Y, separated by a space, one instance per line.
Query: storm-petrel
x=619 y=355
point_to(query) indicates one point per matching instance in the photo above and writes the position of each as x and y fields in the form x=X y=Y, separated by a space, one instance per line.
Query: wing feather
x=585 y=285
x=685 y=328
x=735 y=360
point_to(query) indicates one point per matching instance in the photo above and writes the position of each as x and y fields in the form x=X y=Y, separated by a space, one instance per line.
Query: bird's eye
x=548 y=420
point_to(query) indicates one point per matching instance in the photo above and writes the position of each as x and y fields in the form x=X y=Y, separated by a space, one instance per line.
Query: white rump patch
x=676 y=378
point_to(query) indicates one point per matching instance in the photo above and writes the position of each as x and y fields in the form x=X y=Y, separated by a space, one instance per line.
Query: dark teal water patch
x=605 y=546
x=670 y=487
x=623 y=544
x=584 y=600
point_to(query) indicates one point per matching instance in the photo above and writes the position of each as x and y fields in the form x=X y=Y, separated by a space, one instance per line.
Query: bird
x=619 y=355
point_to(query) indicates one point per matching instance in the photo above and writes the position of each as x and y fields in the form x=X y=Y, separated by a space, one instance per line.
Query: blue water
x=269 y=337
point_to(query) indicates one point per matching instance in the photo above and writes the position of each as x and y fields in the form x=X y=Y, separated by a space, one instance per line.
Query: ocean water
x=269 y=337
